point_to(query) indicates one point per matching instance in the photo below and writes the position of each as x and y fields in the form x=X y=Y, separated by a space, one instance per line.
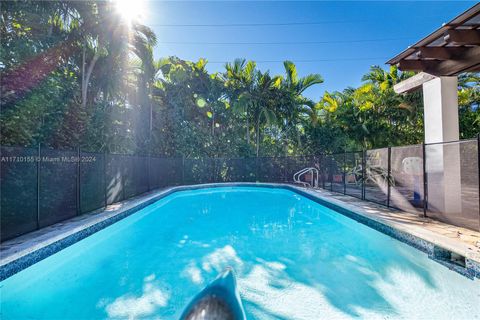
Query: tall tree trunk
x=83 y=76
x=86 y=76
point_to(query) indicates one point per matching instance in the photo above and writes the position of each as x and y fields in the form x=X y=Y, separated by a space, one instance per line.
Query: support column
x=440 y=98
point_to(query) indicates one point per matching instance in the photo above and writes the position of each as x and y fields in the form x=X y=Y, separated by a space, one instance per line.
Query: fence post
x=124 y=171
x=39 y=159
x=79 y=209
x=148 y=171
x=389 y=174
x=330 y=171
x=425 y=184
x=183 y=169
x=323 y=170
x=344 y=172
x=105 y=176
x=364 y=172
x=287 y=167
x=478 y=173
x=319 y=167
x=215 y=180
x=149 y=154
x=320 y=170
x=213 y=169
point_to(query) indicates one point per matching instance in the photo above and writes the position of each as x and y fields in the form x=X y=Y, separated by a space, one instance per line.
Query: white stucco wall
x=440 y=100
x=440 y=97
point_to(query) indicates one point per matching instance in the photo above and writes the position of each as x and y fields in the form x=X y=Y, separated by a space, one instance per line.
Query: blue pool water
x=294 y=259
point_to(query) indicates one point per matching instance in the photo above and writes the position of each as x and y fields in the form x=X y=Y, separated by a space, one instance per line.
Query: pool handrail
x=314 y=177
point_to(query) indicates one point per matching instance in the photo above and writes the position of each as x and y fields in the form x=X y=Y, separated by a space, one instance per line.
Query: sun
x=130 y=9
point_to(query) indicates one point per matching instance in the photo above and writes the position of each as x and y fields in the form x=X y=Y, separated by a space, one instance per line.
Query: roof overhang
x=448 y=51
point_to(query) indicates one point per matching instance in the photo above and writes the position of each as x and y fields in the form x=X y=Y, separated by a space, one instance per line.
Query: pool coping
x=48 y=241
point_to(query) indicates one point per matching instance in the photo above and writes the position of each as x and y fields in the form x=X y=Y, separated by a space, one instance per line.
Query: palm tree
x=263 y=104
x=295 y=105
x=105 y=36
x=25 y=64
x=239 y=79
x=391 y=117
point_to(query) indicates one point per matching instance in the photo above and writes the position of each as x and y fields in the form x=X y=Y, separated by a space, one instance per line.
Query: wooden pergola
x=448 y=51
x=439 y=58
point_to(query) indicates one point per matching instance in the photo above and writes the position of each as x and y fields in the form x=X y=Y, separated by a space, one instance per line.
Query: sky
x=338 y=39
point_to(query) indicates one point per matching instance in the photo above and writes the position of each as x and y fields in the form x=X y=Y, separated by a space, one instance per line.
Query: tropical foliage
x=74 y=73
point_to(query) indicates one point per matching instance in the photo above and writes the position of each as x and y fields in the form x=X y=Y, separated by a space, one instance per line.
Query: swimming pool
x=294 y=259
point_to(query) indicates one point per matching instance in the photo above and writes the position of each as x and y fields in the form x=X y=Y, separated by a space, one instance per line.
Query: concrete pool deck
x=423 y=233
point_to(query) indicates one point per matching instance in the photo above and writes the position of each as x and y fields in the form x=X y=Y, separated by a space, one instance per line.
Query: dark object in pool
x=220 y=300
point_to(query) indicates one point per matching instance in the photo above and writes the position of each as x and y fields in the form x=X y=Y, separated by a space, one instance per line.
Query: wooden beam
x=463 y=36
x=417 y=65
x=475 y=68
x=462 y=63
x=465 y=62
x=442 y=53
x=413 y=83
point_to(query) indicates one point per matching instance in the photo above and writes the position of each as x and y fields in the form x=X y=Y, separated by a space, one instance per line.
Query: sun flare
x=130 y=9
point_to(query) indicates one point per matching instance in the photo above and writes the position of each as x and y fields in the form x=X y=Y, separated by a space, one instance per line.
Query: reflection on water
x=219 y=259
x=129 y=306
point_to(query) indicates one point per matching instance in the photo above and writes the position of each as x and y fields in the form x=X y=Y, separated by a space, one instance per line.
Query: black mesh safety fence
x=232 y=170
x=295 y=164
x=377 y=178
x=115 y=168
x=42 y=186
x=165 y=172
x=249 y=166
x=18 y=191
x=353 y=174
x=452 y=172
x=237 y=170
x=128 y=170
x=198 y=171
x=58 y=186
x=272 y=169
x=326 y=171
x=92 y=181
x=406 y=171
x=136 y=175
x=337 y=172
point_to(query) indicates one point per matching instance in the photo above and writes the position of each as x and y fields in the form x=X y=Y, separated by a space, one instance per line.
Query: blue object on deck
x=220 y=300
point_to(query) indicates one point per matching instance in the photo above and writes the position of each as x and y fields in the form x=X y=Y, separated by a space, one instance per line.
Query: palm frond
x=291 y=72
x=308 y=81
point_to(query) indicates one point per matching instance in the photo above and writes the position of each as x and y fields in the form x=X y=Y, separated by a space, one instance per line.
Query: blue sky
x=342 y=28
